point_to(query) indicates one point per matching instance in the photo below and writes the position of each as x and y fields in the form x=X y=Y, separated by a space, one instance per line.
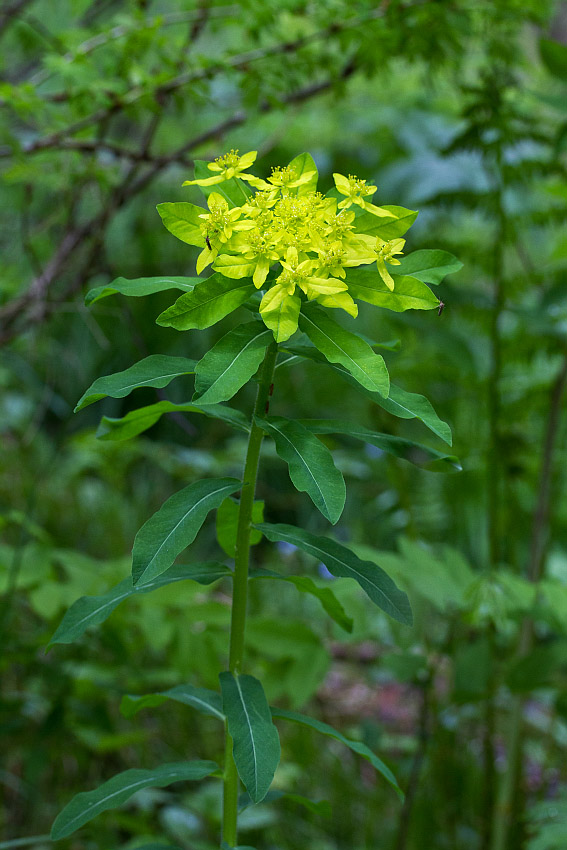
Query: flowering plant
x=306 y=252
x=312 y=239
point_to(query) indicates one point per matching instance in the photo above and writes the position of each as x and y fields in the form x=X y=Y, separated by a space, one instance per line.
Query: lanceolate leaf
x=209 y=302
x=386 y=228
x=93 y=610
x=282 y=320
x=325 y=595
x=235 y=266
x=86 y=806
x=182 y=219
x=140 y=286
x=203 y=699
x=356 y=746
x=349 y=350
x=409 y=293
x=234 y=191
x=317 y=807
x=137 y=421
x=169 y=531
x=157 y=370
x=302 y=164
x=399 y=402
x=405 y=405
x=430 y=266
x=340 y=561
x=229 y=364
x=408 y=450
x=414 y=406
x=311 y=466
x=256 y=744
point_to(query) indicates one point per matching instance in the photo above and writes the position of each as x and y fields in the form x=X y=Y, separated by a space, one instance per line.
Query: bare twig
x=32 y=306
x=238 y=62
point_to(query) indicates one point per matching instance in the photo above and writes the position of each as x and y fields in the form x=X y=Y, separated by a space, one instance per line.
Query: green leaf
x=209 y=302
x=230 y=363
x=256 y=744
x=415 y=453
x=301 y=164
x=400 y=403
x=93 y=610
x=356 y=746
x=409 y=293
x=169 y=531
x=140 y=286
x=87 y=805
x=554 y=57
x=386 y=228
x=414 y=406
x=182 y=219
x=340 y=561
x=317 y=807
x=137 y=421
x=311 y=466
x=28 y=841
x=227 y=522
x=234 y=191
x=282 y=320
x=349 y=350
x=157 y=370
x=234 y=266
x=204 y=700
x=429 y=266
x=305 y=584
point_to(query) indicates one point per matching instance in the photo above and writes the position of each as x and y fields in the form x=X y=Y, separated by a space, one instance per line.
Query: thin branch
x=32 y=306
x=123 y=30
x=238 y=62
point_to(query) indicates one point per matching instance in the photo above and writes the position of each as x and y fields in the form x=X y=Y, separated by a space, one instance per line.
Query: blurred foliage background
x=458 y=109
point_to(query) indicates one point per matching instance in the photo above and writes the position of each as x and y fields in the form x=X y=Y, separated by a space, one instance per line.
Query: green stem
x=240 y=580
x=504 y=814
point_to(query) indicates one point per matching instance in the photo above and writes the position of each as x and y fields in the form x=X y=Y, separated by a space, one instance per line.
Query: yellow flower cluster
x=313 y=239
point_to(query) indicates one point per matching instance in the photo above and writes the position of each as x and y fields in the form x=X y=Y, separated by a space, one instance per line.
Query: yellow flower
x=217 y=227
x=299 y=272
x=254 y=246
x=284 y=177
x=356 y=191
x=313 y=239
x=364 y=250
x=228 y=166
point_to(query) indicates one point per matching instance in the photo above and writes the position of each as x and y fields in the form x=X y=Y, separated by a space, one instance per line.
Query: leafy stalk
x=240 y=582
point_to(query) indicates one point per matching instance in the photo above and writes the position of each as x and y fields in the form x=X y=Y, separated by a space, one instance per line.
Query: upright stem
x=240 y=580
x=503 y=814
x=493 y=481
x=417 y=765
